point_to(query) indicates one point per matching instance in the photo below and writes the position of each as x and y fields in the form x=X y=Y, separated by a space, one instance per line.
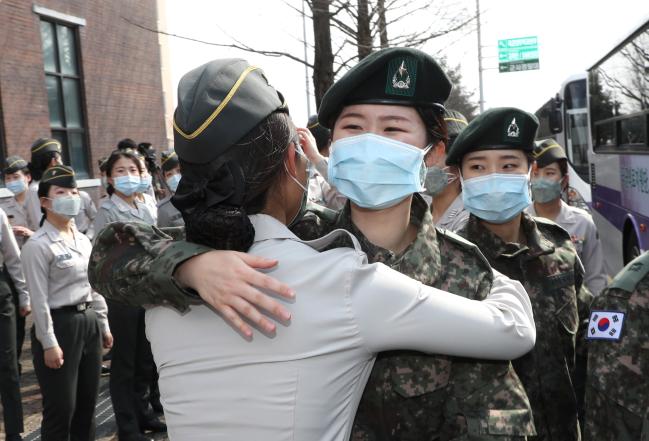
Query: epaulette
x=462 y=242
x=556 y=230
x=632 y=274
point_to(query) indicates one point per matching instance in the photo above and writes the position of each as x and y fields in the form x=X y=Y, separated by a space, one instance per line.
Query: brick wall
x=121 y=70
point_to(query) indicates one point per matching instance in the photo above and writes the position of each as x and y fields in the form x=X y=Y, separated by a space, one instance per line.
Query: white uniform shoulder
x=165 y=201
x=38 y=240
x=580 y=213
x=107 y=204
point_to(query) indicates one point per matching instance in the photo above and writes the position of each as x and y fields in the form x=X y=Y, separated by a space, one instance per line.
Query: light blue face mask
x=66 y=206
x=127 y=185
x=145 y=184
x=545 y=190
x=498 y=197
x=16 y=187
x=173 y=182
x=376 y=172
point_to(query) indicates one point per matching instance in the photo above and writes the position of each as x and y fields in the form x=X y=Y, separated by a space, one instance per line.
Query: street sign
x=518 y=54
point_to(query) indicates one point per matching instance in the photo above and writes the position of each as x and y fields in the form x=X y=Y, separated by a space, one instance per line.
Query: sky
x=572 y=36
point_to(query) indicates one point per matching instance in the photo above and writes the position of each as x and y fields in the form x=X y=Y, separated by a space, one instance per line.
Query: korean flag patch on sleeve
x=605 y=325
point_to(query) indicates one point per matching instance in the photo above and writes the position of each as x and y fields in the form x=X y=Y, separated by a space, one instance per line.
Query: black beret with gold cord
x=60 y=175
x=168 y=160
x=45 y=145
x=548 y=151
x=218 y=104
x=495 y=129
x=14 y=164
x=394 y=76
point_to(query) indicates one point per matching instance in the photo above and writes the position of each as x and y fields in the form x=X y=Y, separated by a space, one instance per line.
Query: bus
x=601 y=117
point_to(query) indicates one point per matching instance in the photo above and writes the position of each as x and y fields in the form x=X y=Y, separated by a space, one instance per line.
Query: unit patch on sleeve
x=605 y=325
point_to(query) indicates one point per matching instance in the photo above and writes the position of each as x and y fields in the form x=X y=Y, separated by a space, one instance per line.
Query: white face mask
x=66 y=206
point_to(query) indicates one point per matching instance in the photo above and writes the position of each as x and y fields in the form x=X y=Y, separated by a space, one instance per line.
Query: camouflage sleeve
x=617 y=393
x=133 y=263
x=578 y=375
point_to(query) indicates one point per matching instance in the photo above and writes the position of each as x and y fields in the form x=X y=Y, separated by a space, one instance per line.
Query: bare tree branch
x=239 y=46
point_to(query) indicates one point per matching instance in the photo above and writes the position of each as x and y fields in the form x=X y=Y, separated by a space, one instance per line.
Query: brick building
x=83 y=72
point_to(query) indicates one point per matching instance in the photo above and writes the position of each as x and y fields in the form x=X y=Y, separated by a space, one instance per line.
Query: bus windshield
x=576 y=127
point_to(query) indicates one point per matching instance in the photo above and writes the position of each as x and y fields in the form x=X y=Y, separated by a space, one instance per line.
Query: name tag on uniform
x=63 y=257
x=605 y=325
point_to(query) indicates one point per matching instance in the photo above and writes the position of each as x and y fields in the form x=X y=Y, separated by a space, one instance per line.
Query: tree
x=358 y=27
x=461 y=99
x=346 y=31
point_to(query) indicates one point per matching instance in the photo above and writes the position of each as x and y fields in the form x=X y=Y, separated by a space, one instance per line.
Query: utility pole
x=306 y=68
x=477 y=7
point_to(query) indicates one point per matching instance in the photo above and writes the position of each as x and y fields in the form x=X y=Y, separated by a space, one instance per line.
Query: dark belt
x=81 y=307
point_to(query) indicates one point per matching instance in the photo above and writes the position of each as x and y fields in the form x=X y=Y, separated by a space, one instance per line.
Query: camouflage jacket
x=413 y=396
x=617 y=392
x=550 y=271
x=409 y=395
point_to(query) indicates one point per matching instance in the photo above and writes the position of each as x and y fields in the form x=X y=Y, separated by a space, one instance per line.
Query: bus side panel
x=620 y=197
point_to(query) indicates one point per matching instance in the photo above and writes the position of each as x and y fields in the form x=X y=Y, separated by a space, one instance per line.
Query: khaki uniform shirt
x=168 y=215
x=33 y=206
x=17 y=215
x=455 y=217
x=321 y=193
x=86 y=218
x=114 y=208
x=57 y=276
x=583 y=233
x=11 y=259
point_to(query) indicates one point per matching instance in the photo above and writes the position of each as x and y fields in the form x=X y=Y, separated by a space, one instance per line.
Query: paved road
x=106 y=429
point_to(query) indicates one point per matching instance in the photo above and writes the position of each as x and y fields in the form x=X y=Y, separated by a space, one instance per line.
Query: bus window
x=577 y=141
x=632 y=132
x=605 y=136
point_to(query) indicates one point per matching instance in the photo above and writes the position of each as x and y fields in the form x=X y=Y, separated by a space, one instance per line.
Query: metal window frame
x=59 y=19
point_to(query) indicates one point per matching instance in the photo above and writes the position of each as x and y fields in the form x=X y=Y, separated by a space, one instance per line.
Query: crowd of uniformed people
x=411 y=275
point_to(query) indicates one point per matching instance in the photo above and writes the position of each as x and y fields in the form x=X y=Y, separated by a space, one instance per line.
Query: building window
x=3 y=150
x=63 y=81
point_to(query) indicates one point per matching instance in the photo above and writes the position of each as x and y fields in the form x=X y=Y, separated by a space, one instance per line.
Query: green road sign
x=518 y=54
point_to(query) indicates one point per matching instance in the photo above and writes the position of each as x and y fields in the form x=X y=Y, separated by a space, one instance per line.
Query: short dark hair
x=115 y=156
x=39 y=164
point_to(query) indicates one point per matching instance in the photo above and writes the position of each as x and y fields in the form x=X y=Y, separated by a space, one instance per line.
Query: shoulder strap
x=632 y=274
x=463 y=243
x=324 y=241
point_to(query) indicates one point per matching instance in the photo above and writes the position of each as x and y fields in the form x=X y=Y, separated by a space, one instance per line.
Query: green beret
x=548 y=151
x=168 y=160
x=45 y=145
x=14 y=164
x=60 y=175
x=218 y=104
x=455 y=123
x=495 y=129
x=402 y=76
